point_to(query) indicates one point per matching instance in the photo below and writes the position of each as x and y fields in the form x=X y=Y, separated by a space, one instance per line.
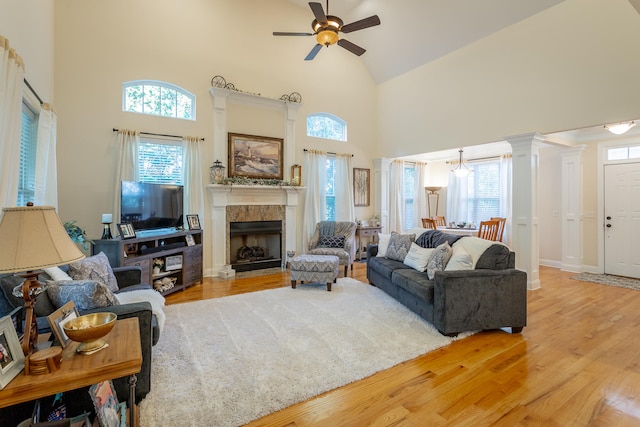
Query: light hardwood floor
x=577 y=363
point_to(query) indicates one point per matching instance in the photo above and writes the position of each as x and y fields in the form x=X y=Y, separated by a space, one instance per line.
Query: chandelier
x=461 y=170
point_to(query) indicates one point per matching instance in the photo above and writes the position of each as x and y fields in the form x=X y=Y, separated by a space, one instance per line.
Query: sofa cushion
x=496 y=257
x=383 y=244
x=331 y=242
x=399 y=245
x=385 y=267
x=460 y=259
x=438 y=260
x=96 y=267
x=415 y=283
x=418 y=257
x=86 y=294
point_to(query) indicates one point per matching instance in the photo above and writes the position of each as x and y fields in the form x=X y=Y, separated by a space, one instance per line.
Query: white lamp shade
x=33 y=238
x=620 y=128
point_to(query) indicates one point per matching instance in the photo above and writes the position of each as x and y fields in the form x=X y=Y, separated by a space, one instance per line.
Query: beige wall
x=28 y=24
x=567 y=67
x=100 y=45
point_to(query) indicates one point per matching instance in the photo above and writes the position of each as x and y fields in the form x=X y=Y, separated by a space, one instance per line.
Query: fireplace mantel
x=248 y=195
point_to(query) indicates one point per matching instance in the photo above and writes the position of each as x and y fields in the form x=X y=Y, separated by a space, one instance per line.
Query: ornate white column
x=571 y=208
x=525 y=229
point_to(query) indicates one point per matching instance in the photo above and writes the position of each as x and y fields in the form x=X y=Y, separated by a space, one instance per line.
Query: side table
x=123 y=357
x=368 y=232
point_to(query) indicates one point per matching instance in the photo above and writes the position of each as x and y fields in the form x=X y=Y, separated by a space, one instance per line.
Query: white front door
x=622 y=219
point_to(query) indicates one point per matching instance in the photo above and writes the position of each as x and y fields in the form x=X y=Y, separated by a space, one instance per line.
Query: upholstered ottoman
x=314 y=269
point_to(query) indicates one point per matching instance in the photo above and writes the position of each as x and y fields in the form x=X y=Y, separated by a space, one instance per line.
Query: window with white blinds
x=483 y=195
x=160 y=162
x=409 y=192
x=28 y=144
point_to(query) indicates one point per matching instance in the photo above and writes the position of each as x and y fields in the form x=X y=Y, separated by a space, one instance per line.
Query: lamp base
x=106 y=232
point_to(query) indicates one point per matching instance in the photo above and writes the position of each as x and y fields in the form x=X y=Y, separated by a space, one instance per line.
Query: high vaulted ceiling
x=415 y=32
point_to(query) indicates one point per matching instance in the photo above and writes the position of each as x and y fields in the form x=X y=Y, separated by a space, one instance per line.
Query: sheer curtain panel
x=46 y=189
x=192 y=177
x=345 y=210
x=11 y=84
x=315 y=165
x=127 y=142
x=420 y=194
x=396 y=196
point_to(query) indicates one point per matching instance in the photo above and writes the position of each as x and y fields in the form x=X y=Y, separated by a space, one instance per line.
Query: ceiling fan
x=326 y=28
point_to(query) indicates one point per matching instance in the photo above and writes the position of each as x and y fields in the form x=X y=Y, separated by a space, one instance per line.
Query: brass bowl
x=89 y=329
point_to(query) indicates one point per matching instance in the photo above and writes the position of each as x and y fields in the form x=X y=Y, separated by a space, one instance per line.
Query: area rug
x=608 y=279
x=231 y=360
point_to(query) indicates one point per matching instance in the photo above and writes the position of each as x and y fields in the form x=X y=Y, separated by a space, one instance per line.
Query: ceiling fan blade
x=317 y=10
x=280 y=33
x=351 y=47
x=313 y=52
x=361 y=24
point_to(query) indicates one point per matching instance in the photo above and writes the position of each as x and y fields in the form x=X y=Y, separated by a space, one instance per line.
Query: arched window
x=159 y=99
x=328 y=126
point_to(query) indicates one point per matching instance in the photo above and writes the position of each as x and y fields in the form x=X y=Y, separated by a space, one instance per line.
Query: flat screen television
x=150 y=206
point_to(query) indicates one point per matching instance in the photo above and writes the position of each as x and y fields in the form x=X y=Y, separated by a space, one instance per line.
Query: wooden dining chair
x=489 y=230
x=440 y=221
x=502 y=224
x=429 y=223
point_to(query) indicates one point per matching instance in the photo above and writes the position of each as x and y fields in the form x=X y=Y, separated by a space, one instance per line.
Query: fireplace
x=255 y=245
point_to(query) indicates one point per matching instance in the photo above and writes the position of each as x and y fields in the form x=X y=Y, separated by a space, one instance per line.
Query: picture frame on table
x=193 y=221
x=126 y=231
x=361 y=186
x=253 y=156
x=190 y=240
x=11 y=355
x=59 y=318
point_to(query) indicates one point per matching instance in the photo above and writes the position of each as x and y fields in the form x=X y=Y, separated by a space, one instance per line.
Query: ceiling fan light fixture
x=461 y=170
x=620 y=128
x=327 y=37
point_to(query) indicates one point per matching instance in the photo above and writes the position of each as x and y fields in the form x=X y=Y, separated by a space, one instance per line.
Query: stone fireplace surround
x=232 y=203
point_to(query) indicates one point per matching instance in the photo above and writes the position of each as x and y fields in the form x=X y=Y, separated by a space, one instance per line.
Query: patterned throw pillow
x=399 y=245
x=438 y=260
x=86 y=294
x=97 y=268
x=331 y=242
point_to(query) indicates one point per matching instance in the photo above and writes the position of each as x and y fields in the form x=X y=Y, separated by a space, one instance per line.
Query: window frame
x=162 y=85
x=332 y=117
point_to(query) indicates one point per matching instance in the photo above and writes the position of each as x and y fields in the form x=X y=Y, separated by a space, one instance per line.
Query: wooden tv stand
x=143 y=249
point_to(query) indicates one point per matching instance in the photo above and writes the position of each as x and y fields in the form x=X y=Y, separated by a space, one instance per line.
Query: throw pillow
x=418 y=257
x=86 y=294
x=383 y=244
x=399 y=245
x=331 y=242
x=474 y=246
x=460 y=259
x=438 y=260
x=96 y=267
x=57 y=274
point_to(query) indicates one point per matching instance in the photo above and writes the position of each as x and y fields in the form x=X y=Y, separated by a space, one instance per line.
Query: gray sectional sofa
x=490 y=296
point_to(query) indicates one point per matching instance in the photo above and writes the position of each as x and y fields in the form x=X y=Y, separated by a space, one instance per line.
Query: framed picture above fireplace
x=254 y=156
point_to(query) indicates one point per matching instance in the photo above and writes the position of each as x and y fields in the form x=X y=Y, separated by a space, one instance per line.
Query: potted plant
x=77 y=234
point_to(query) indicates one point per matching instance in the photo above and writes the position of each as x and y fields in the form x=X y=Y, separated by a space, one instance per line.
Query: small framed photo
x=126 y=231
x=190 y=240
x=11 y=356
x=59 y=318
x=173 y=262
x=194 y=222
x=105 y=402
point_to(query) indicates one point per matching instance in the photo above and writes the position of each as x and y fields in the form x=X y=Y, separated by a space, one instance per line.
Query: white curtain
x=345 y=210
x=11 y=84
x=127 y=142
x=314 y=165
x=192 y=176
x=46 y=178
x=457 y=198
x=420 y=195
x=396 y=196
x=506 y=179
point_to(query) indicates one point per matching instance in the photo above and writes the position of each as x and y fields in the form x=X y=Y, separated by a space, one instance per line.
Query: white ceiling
x=415 y=32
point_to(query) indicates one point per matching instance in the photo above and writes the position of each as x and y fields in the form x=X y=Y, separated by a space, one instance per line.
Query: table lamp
x=33 y=238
